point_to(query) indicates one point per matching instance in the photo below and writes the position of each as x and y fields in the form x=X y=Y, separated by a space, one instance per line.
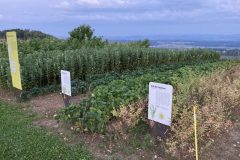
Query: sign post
x=14 y=63
x=66 y=87
x=160 y=108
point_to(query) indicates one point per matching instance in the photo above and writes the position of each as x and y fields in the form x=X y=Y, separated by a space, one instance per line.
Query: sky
x=114 y=18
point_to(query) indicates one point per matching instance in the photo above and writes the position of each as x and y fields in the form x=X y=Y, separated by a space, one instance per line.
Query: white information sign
x=160 y=103
x=66 y=82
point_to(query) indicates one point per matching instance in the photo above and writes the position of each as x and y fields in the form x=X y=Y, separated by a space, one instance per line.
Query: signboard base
x=159 y=130
x=66 y=100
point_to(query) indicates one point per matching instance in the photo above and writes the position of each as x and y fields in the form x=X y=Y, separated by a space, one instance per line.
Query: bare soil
x=48 y=104
x=225 y=147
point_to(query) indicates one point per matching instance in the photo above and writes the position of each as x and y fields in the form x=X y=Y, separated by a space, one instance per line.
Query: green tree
x=146 y=43
x=81 y=33
x=83 y=36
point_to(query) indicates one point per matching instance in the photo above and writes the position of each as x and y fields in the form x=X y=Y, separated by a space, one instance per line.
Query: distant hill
x=26 y=34
x=180 y=37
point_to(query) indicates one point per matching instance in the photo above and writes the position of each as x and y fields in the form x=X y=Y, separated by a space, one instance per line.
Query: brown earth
x=225 y=147
x=48 y=104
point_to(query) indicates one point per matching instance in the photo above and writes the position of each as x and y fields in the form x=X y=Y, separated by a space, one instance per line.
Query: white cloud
x=88 y=2
x=102 y=3
x=148 y=15
x=63 y=4
x=226 y=5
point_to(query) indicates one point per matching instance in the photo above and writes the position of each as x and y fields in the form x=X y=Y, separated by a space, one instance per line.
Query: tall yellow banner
x=13 y=60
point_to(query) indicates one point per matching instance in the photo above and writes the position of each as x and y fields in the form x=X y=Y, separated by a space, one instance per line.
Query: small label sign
x=66 y=82
x=160 y=103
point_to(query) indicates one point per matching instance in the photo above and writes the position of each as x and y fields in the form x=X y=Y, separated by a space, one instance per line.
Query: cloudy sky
x=112 y=18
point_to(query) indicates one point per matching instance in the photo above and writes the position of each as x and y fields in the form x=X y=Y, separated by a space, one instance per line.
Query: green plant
x=41 y=69
x=106 y=98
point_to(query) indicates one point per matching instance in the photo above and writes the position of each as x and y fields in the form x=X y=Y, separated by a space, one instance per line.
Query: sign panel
x=66 y=82
x=160 y=103
x=13 y=60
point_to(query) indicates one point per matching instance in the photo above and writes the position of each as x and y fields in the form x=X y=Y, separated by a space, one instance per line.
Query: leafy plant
x=106 y=98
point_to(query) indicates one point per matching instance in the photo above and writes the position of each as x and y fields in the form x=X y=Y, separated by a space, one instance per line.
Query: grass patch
x=21 y=140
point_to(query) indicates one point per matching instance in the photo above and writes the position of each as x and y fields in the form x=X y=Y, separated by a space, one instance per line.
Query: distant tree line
x=26 y=34
x=232 y=52
x=80 y=37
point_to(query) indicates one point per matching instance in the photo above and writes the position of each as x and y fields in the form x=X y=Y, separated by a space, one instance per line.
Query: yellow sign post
x=13 y=60
x=195 y=131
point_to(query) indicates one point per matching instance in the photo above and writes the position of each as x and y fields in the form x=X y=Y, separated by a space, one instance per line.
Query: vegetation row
x=95 y=113
x=42 y=69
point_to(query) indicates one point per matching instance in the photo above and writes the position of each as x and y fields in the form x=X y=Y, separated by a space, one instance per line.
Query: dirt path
x=225 y=147
x=48 y=104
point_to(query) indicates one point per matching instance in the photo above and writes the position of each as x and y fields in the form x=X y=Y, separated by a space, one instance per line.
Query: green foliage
x=82 y=32
x=42 y=68
x=78 y=87
x=145 y=43
x=83 y=36
x=35 y=45
x=104 y=79
x=95 y=115
x=82 y=87
x=21 y=140
x=3 y=49
x=25 y=34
